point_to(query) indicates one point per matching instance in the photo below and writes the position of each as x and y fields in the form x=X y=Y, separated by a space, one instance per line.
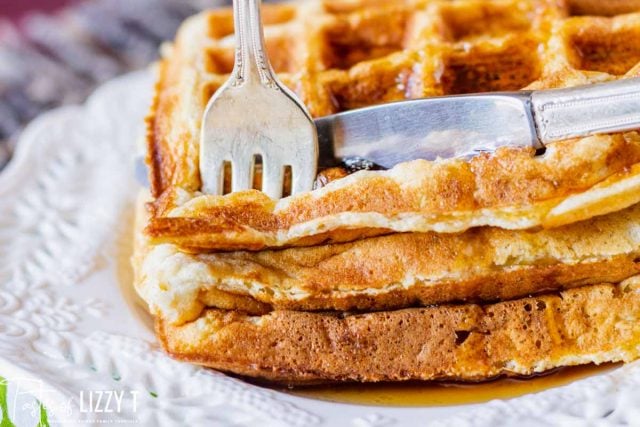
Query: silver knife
x=465 y=125
x=462 y=126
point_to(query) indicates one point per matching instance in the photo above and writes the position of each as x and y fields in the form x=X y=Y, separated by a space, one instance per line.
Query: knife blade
x=466 y=125
x=452 y=126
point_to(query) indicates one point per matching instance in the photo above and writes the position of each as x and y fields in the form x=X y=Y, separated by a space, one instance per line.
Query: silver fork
x=253 y=114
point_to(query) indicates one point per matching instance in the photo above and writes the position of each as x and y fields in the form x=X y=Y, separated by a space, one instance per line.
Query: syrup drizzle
x=447 y=394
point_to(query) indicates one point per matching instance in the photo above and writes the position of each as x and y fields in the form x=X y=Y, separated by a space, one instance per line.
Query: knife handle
x=585 y=110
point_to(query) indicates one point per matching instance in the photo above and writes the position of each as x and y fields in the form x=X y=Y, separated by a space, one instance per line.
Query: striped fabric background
x=55 y=59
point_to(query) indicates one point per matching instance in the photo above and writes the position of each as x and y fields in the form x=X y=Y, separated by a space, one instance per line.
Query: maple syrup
x=447 y=394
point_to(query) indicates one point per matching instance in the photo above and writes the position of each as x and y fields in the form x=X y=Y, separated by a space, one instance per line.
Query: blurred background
x=55 y=52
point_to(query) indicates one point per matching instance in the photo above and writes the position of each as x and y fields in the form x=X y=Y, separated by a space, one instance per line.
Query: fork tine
x=213 y=180
x=273 y=178
x=242 y=173
x=302 y=179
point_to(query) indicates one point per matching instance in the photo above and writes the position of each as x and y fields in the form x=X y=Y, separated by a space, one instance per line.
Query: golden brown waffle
x=593 y=324
x=388 y=272
x=338 y=55
x=243 y=311
x=468 y=342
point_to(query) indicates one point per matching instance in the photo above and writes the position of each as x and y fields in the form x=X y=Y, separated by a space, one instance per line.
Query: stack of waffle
x=512 y=263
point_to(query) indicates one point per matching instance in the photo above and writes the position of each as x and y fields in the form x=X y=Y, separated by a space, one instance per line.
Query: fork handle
x=252 y=64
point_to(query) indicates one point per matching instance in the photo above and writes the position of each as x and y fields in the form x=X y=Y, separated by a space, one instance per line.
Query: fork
x=253 y=115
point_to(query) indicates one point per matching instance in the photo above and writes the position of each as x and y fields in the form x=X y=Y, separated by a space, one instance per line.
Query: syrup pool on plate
x=446 y=394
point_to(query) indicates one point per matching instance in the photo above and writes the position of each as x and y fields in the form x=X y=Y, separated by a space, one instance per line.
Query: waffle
x=510 y=263
x=593 y=324
x=388 y=272
x=339 y=55
x=237 y=333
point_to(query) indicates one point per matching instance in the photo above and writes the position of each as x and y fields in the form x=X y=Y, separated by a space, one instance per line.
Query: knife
x=466 y=125
x=463 y=126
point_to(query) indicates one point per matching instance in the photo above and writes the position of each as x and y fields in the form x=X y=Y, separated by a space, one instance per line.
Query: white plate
x=71 y=329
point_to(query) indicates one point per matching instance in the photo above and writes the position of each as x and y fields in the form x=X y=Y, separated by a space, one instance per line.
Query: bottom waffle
x=592 y=324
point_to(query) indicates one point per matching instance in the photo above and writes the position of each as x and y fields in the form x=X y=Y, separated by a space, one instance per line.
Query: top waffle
x=339 y=55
